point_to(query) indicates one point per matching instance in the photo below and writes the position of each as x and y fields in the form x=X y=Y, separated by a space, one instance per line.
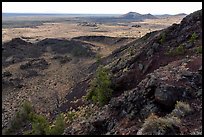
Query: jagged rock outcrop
x=154 y=94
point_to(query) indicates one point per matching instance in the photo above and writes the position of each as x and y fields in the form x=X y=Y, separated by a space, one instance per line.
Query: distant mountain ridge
x=170 y=15
x=130 y=16
x=135 y=15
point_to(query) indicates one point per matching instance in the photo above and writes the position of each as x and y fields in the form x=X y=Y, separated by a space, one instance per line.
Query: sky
x=102 y=7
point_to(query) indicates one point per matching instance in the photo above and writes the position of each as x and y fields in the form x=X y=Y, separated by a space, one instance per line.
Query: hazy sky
x=102 y=7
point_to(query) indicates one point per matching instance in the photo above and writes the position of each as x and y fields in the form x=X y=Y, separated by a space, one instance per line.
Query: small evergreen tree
x=100 y=91
x=162 y=38
x=39 y=125
x=98 y=58
x=193 y=37
x=59 y=127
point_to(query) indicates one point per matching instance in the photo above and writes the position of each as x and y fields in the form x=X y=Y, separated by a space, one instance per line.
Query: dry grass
x=155 y=125
x=181 y=109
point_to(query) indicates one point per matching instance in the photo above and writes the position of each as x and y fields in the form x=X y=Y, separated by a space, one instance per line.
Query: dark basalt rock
x=6 y=74
x=35 y=63
x=16 y=82
x=167 y=95
x=31 y=73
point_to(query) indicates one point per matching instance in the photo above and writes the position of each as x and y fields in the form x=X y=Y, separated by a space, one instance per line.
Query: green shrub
x=41 y=126
x=21 y=117
x=94 y=98
x=193 y=37
x=100 y=90
x=162 y=38
x=59 y=126
x=98 y=58
x=170 y=52
x=199 y=50
x=180 y=50
x=27 y=107
x=91 y=94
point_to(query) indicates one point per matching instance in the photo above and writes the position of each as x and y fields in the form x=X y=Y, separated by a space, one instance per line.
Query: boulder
x=167 y=95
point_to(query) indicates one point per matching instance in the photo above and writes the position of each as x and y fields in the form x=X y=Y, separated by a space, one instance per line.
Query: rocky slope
x=160 y=73
x=44 y=72
x=40 y=72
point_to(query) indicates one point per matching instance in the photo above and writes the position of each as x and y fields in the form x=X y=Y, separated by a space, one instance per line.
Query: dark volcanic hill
x=130 y=16
x=181 y=14
x=137 y=16
x=157 y=83
x=168 y=15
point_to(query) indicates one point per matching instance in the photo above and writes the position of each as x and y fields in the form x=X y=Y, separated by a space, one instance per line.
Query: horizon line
x=54 y=13
x=86 y=13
